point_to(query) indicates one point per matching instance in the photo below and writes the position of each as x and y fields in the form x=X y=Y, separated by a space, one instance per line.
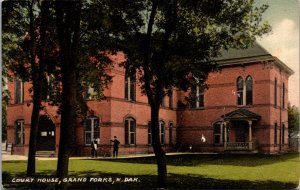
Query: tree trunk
x=68 y=24
x=37 y=75
x=158 y=151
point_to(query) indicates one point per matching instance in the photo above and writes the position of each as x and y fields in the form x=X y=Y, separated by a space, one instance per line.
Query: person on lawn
x=115 y=146
x=94 y=147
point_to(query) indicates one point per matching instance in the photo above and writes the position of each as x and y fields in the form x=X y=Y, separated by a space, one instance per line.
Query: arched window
x=92 y=130
x=249 y=90
x=240 y=91
x=244 y=91
x=19 y=91
x=130 y=85
x=20 y=132
x=130 y=130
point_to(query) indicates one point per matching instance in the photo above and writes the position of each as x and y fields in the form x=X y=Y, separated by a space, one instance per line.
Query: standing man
x=94 y=148
x=116 y=146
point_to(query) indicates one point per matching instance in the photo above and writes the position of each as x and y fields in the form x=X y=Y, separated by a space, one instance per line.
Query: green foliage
x=5 y=101
x=293 y=120
x=186 y=36
x=100 y=27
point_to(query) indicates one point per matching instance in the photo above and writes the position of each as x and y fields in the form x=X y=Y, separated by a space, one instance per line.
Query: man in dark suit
x=115 y=146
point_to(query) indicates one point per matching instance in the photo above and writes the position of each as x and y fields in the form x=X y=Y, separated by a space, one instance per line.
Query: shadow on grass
x=175 y=181
x=16 y=161
x=214 y=159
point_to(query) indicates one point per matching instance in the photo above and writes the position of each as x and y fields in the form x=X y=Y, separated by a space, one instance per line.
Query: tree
x=176 y=45
x=68 y=24
x=37 y=76
x=85 y=44
x=25 y=49
x=293 y=120
x=26 y=28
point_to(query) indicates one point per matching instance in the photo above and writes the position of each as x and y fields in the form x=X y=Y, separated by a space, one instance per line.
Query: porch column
x=250 y=134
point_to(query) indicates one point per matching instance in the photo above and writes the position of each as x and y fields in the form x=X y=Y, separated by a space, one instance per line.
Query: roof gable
x=241 y=114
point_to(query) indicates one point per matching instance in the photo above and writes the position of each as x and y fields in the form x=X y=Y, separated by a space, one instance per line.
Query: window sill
x=201 y=108
x=132 y=101
x=130 y=145
x=219 y=145
x=19 y=145
x=245 y=106
x=17 y=104
x=280 y=108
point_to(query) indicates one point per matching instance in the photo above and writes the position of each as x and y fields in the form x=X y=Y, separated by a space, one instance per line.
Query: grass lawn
x=184 y=171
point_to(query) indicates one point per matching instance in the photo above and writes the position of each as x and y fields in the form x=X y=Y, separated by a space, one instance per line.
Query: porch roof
x=241 y=114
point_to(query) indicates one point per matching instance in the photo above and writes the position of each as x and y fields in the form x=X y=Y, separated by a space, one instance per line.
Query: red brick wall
x=220 y=98
x=189 y=125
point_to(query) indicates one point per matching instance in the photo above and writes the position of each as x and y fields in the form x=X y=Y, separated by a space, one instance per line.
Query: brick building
x=244 y=108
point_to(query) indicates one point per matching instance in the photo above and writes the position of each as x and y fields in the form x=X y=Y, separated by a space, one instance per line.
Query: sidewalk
x=19 y=157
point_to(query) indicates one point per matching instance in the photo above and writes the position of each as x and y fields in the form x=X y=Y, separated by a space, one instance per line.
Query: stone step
x=45 y=153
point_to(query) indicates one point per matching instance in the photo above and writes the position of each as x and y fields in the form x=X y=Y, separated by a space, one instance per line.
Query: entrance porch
x=238 y=132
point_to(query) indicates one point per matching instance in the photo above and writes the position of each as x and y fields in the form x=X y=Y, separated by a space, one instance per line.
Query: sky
x=283 y=41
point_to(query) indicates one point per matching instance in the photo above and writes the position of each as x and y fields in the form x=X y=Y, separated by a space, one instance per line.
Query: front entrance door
x=240 y=131
x=46 y=134
x=240 y=134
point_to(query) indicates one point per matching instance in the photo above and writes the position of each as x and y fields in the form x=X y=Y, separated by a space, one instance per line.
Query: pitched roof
x=255 y=53
x=242 y=114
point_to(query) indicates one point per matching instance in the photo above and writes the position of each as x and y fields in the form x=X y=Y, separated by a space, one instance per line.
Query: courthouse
x=243 y=109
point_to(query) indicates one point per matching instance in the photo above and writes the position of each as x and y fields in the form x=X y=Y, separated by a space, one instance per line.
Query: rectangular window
x=89 y=93
x=20 y=132
x=126 y=131
x=218 y=134
x=171 y=133
x=283 y=95
x=19 y=91
x=275 y=134
x=275 y=92
x=197 y=96
x=132 y=132
x=92 y=130
x=162 y=132
x=170 y=99
x=282 y=133
x=130 y=85
x=130 y=129
x=163 y=103
x=149 y=133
